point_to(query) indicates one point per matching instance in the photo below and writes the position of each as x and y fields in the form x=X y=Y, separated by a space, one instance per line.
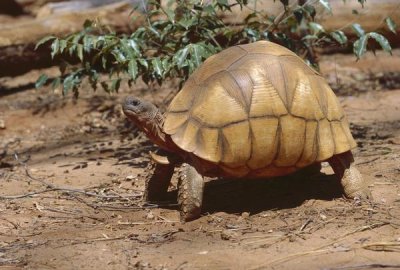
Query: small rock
x=129 y=178
x=232 y=226
x=2 y=124
x=245 y=215
x=228 y=235
x=323 y=217
x=115 y=181
x=150 y=215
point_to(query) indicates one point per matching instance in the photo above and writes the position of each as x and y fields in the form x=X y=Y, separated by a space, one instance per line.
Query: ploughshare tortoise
x=250 y=111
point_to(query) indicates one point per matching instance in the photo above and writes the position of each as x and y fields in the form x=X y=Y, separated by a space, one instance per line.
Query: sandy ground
x=72 y=176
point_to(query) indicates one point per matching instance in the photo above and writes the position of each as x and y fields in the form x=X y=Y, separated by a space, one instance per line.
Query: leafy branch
x=178 y=37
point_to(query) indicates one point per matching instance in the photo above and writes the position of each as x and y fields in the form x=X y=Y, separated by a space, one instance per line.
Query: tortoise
x=251 y=111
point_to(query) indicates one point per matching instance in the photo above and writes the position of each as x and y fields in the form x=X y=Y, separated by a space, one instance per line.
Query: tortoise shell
x=258 y=109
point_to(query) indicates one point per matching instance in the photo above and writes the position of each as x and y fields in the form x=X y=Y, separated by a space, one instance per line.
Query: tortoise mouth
x=132 y=106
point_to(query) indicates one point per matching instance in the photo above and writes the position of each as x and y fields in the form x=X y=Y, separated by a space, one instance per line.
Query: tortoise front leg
x=157 y=184
x=190 y=192
x=351 y=179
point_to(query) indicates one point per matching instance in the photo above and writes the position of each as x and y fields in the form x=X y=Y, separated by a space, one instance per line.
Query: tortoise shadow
x=257 y=195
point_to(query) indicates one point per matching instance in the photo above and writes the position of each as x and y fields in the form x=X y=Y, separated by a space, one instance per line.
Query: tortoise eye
x=134 y=102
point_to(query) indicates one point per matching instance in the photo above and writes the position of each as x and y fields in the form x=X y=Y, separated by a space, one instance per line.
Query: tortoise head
x=139 y=111
x=147 y=117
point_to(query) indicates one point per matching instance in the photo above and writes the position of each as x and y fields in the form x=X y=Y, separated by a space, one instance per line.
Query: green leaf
x=170 y=14
x=157 y=66
x=144 y=63
x=223 y=2
x=310 y=37
x=119 y=56
x=79 y=50
x=44 y=40
x=360 y=46
x=310 y=10
x=104 y=62
x=115 y=84
x=69 y=83
x=133 y=69
x=55 y=46
x=197 y=53
x=186 y=23
x=56 y=83
x=339 y=36
x=87 y=43
x=326 y=5
x=63 y=45
x=166 y=64
x=316 y=28
x=181 y=56
x=358 y=29
x=383 y=42
x=105 y=87
x=41 y=81
x=391 y=24
x=133 y=44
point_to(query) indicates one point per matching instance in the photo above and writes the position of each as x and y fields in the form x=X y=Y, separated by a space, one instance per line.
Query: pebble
x=228 y=235
x=150 y=215
x=245 y=215
x=2 y=124
x=129 y=178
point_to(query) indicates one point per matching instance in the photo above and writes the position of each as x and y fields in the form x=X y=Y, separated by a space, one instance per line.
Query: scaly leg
x=351 y=179
x=157 y=184
x=190 y=192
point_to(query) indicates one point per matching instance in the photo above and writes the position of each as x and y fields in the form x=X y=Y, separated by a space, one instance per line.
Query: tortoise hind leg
x=190 y=192
x=351 y=179
x=157 y=185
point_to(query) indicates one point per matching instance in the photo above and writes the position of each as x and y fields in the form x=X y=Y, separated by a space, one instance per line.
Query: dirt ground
x=72 y=176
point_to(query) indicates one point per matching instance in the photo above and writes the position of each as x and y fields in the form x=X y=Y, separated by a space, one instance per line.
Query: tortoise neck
x=153 y=127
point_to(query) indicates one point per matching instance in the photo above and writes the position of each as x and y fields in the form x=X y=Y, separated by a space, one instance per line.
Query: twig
x=55 y=210
x=277 y=238
x=383 y=246
x=12 y=223
x=308 y=221
x=147 y=223
x=321 y=249
x=368 y=161
x=53 y=187
x=295 y=255
x=11 y=197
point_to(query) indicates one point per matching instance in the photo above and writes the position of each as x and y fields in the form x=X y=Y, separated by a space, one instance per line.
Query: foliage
x=178 y=37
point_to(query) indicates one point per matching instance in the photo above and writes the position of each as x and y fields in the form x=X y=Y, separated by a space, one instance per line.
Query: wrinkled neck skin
x=152 y=126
